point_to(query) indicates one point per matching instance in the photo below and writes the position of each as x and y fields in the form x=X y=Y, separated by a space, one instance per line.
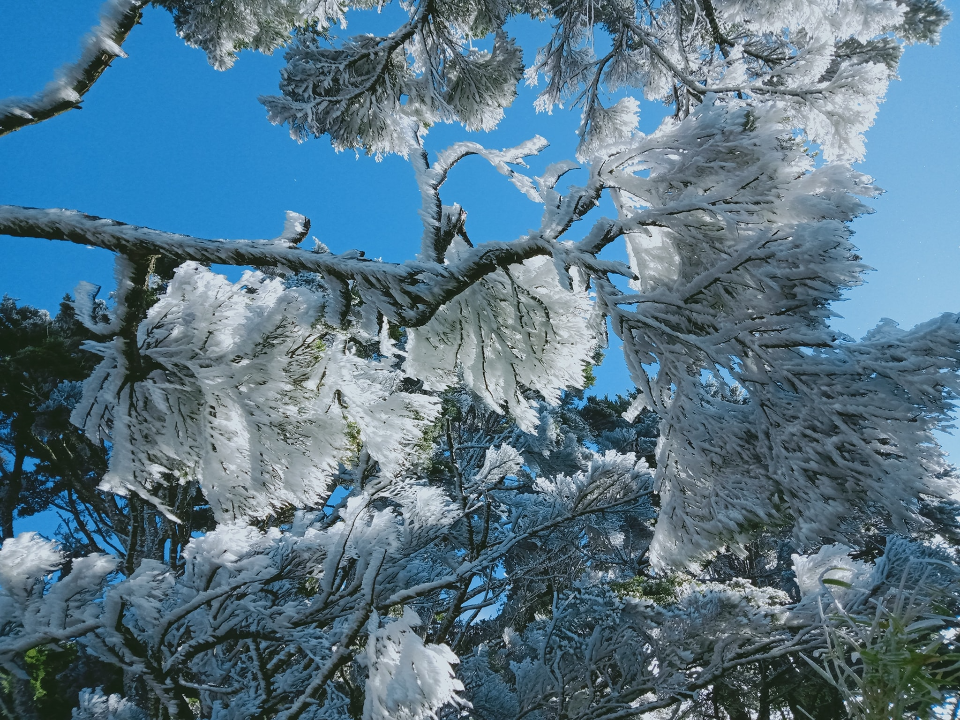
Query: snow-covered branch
x=725 y=221
x=407 y=293
x=117 y=19
x=441 y=225
x=341 y=488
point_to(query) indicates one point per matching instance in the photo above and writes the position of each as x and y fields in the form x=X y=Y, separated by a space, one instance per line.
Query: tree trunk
x=10 y=495
x=763 y=712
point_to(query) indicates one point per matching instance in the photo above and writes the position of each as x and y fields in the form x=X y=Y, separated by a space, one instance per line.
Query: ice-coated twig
x=102 y=45
x=500 y=159
x=431 y=177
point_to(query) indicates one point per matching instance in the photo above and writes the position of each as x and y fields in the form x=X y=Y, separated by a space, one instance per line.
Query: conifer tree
x=346 y=488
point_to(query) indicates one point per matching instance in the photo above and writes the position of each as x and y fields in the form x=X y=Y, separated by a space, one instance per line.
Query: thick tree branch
x=426 y=285
x=117 y=19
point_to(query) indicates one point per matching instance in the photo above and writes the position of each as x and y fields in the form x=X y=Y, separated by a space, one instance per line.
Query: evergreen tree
x=345 y=488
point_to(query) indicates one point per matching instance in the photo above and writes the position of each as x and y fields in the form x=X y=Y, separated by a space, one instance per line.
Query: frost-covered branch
x=256 y=593
x=737 y=243
x=76 y=227
x=422 y=286
x=342 y=488
x=440 y=226
x=117 y=19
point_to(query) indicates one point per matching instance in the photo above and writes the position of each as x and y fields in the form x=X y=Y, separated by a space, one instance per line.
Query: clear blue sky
x=165 y=141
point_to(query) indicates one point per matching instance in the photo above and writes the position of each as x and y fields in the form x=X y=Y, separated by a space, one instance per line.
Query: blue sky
x=165 y=141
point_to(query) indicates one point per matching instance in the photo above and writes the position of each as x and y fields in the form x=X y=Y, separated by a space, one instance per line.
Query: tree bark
x=10 y=493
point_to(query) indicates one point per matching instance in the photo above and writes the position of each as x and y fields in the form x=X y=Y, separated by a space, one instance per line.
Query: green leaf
x=839 y=583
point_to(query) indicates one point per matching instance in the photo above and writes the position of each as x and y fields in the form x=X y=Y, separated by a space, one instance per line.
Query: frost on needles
x=346 y=488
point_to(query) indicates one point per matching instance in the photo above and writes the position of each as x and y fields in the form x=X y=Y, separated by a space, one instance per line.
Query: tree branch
x=426 y=286
x=117 y=18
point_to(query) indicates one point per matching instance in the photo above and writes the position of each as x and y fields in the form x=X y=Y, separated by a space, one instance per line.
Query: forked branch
x=424 y=286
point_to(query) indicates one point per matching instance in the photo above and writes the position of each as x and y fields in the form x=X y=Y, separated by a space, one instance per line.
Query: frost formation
x=346 y=488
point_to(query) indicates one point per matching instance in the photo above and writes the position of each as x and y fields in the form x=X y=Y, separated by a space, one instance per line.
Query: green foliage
x=589 y=379
x=661 y=590
x=41 y=366
x=424 y=448
x=55 y=675
x=43 y=665
x=777 y=688
x=354 y=440
x=309 y=587
x=47 y=693
x=900 y=661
